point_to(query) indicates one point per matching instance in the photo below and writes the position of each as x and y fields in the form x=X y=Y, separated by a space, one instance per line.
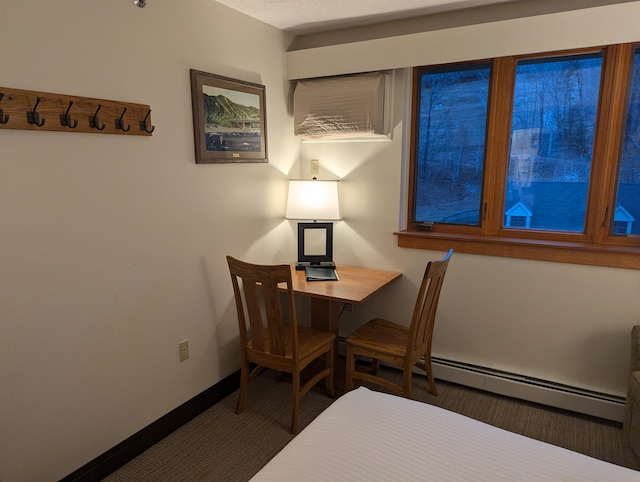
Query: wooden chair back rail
x=263 y=292
x=424 y=316
x=269 y=335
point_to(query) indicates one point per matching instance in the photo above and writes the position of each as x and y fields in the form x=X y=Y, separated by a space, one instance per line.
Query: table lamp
x=314 y=201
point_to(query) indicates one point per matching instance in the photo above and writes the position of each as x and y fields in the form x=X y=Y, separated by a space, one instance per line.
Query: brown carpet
x=219 y=445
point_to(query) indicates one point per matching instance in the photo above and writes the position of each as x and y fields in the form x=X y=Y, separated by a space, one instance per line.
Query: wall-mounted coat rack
x=27 y=109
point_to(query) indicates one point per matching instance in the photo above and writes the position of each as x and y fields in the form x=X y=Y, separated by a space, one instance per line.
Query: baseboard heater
x=567 y=397
x=537 y=390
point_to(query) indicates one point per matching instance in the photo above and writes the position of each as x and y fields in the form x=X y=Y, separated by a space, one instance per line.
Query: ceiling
x=310 y=16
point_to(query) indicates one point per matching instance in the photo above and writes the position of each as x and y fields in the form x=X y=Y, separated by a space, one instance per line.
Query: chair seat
x=310 y=341
x=381 y=336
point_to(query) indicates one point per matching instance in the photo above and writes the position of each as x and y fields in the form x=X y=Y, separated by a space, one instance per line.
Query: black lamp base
x=300 y=265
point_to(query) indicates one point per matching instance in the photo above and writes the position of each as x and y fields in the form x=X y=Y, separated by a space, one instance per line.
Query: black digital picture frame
x=315 y=245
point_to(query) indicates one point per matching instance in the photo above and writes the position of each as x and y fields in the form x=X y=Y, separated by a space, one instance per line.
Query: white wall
x=561 y=322
x=112 y=248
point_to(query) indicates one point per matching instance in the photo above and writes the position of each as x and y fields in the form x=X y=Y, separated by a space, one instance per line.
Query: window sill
x=562 y=252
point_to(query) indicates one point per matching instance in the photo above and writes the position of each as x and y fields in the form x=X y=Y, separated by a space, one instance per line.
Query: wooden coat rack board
x=27 y=109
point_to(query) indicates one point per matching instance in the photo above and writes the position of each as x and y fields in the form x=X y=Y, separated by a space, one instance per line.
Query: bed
x=371 y=436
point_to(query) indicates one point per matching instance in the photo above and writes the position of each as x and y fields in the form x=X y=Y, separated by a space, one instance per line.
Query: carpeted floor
x=219 y=445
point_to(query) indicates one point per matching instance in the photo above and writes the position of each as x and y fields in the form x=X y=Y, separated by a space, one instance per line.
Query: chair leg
x=329 y=383
x=296 y=401
x=244 y=381
x=432 y=382
x=351 y=366
x=407 y=381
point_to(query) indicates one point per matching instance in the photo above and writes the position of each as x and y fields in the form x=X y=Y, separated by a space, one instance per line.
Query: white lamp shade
x=313 y=200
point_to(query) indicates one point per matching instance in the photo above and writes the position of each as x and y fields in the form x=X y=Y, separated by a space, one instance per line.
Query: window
x=516 y=222
x=628 y=189
x=533 y=156
x=552 y=127
x=451 y=133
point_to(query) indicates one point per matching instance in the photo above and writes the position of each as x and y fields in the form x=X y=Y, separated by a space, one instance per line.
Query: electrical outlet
x=314 y=167
x=183 y=350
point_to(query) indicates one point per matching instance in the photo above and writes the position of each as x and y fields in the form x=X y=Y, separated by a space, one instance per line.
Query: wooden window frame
x=596 y=246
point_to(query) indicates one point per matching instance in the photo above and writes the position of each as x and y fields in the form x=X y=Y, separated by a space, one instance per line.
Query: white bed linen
x=371 y=436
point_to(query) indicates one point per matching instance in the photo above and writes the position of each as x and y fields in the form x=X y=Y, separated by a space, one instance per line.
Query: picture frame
x=229 y=119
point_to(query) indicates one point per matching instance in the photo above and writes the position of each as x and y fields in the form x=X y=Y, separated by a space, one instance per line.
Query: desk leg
x=324 y=316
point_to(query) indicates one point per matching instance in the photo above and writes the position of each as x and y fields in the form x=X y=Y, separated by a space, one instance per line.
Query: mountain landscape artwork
x=229 y=125
x=229 y=119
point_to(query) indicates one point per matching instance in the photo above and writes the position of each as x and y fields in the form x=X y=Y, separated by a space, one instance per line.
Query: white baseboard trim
x=548 y=393
x=544 y=392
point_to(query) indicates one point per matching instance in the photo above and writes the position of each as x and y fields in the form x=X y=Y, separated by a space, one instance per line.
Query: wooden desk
x=355 y=285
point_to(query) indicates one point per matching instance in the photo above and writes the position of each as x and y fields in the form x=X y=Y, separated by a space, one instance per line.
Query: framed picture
x=229 y=119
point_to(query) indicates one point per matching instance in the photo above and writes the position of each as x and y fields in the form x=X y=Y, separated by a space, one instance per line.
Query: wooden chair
x=397 y=344
x=269 y=334
x=631 y=424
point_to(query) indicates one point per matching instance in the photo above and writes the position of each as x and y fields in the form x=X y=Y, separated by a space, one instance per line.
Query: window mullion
x=608 y=141
x=497 y=151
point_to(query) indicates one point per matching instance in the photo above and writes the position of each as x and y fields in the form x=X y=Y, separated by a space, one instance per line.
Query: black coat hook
x=120 y=122
x=143 y=124
x=33 y=117
x=65 y=119
x=93 y=120
x=3 y=118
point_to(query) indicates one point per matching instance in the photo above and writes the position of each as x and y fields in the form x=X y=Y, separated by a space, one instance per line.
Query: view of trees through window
x=552 y=131
x=534 y=156
x=555 y=104
x=451 y=143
